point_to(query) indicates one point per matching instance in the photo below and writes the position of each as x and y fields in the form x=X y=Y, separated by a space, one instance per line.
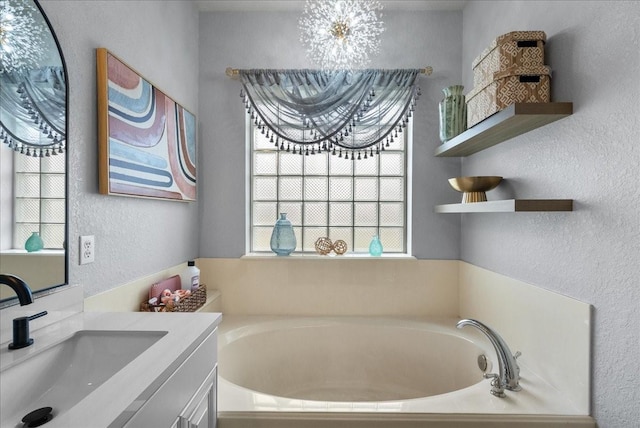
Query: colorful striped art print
x=147 y=141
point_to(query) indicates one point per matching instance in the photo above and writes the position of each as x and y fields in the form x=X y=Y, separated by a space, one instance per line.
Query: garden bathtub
x=292 y=371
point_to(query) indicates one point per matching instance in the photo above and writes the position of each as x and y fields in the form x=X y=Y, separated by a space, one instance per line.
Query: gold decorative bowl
x=474 y=188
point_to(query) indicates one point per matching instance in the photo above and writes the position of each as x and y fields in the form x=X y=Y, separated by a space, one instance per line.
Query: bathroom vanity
x=115 y=370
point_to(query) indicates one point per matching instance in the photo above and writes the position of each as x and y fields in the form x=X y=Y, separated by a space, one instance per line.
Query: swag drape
x=312 y=110
x=33 y=111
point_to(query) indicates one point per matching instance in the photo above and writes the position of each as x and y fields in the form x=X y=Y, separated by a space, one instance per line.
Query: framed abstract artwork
x=146 y=140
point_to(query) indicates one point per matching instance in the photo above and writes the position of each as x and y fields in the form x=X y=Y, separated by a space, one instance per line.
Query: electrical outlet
x=87 y=249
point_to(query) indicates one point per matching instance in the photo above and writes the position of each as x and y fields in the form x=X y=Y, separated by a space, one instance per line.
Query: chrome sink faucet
x=21 y=337
x=509 y=372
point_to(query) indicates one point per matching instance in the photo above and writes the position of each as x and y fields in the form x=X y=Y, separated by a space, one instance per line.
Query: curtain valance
x=332 y=110
x=33 y=111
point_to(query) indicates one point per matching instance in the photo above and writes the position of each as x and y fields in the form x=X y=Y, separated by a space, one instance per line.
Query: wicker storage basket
x=515 y=49
x=188 y=304
x=518 y=85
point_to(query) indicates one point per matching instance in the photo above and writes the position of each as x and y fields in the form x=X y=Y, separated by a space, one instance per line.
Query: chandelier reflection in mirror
x=32 y=85
x=22 y=45
x=341 y=34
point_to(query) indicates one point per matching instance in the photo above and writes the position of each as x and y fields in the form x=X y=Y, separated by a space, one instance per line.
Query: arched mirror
x=33 y=129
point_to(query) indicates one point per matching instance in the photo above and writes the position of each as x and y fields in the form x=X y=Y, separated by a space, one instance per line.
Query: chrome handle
x=497 y=388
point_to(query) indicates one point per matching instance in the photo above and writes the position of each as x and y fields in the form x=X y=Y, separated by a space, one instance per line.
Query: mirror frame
x=53 y=288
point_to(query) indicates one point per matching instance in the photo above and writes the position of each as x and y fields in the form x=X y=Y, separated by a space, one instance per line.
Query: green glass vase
x=375 y=247
x=34 y=243
x=453 y=113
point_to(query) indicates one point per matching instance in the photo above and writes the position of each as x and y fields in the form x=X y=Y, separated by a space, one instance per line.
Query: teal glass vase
x=34 y=243
x=283 y=239
x=375 y=247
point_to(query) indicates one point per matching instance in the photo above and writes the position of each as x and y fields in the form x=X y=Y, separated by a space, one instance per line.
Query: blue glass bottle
x=283 y=240
x=375 y=247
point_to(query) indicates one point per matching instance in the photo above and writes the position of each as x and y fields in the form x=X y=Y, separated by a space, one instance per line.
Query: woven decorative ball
x=340 y=247
x=323 y=246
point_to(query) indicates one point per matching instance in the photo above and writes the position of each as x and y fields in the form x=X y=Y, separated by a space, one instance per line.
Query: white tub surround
x=308 y=286
x=130 y=387
x=333 y=286
x=552 y=331
x=127 y=297
x=397 y=420
x=239 y=406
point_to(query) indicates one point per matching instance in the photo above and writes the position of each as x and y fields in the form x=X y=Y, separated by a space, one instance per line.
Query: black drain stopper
x=38 y=417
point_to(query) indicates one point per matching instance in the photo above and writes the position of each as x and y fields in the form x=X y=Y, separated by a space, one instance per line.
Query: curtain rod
x=234 y=72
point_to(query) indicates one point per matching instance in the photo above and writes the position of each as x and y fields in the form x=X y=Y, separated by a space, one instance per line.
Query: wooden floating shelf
x=514 y=120
x=508 y=206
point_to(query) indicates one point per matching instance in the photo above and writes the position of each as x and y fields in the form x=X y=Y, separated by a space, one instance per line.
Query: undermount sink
x=62 y=375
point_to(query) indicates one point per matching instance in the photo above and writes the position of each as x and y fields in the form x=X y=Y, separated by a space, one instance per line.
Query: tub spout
x=509 y=372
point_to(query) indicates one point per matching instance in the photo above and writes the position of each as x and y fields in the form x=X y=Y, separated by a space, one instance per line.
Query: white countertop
x=137 y=380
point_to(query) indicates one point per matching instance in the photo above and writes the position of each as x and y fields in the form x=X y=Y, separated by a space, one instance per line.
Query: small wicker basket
x=188 y=304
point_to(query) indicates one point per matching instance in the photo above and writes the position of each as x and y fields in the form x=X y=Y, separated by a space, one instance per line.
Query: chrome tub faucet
x=509 y=372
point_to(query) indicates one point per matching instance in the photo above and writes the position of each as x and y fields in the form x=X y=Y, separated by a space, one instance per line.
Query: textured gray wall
x=134 y=237
x=270 y=40
x=591 y=254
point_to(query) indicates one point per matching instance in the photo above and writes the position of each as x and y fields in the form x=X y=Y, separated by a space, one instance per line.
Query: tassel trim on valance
x=355 y=113
x=33 y=107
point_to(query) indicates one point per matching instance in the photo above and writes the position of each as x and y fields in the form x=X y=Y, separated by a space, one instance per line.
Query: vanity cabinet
x=201 y=411
x=187 y=398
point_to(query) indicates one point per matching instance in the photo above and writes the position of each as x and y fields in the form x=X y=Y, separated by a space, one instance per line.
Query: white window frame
x=18 y=199
x=408 y=131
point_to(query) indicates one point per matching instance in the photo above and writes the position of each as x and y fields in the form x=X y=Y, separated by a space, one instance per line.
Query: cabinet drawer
x=161 y=409
x=201 y=411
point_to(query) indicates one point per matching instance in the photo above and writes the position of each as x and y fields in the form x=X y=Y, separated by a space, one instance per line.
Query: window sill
x=313 y=256
x=15 y=252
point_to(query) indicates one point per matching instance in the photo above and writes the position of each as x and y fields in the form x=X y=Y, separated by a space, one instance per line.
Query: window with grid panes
x=329 y=196
x=39 y=203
